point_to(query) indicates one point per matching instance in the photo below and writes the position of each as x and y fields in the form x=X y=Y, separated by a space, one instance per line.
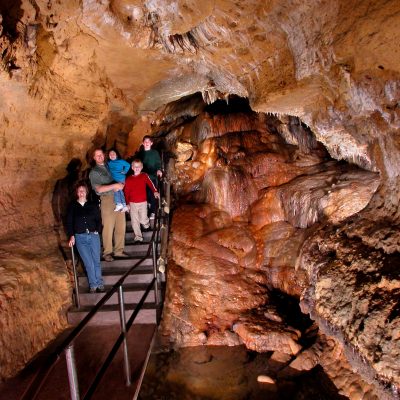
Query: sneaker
x=108 y=257
x=121 y=255
x=118 y=207
x=100 y=289
x=92 y=290
x=137 y=240
x=152 y=216
x=125 y=209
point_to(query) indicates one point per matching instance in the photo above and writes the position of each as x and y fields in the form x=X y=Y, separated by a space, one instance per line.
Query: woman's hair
x=116 y=152
x=81 y=184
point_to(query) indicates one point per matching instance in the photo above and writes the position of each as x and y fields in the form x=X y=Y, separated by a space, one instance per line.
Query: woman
x=83 y=227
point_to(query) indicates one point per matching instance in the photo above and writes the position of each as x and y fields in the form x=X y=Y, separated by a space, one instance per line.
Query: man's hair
x=98 y=149
x=147 y=137
x=137 y=161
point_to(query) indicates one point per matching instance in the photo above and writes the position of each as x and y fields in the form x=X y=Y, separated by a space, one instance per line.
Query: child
x=135 y=193
x=118 y=169
x=152 y=166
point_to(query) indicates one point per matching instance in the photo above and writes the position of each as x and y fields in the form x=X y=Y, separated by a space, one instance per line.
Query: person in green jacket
x=151 y=166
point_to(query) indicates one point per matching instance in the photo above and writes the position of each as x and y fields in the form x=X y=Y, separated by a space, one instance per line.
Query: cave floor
x=91 y=349
x=227 y=373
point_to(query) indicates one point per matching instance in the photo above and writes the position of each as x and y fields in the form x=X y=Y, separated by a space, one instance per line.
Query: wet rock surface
x=216 y=372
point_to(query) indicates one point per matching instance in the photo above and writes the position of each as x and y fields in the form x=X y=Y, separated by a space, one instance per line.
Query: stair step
x=109 y=314
x=131 y=248
x=114 y=278
x=132 y=294
x=126 y=262
x=146 y=235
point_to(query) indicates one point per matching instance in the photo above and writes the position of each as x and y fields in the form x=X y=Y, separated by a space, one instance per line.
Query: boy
x=152 y=166
x=135 y=195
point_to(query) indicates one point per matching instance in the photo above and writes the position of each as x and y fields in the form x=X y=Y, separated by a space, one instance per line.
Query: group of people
x=121 y=187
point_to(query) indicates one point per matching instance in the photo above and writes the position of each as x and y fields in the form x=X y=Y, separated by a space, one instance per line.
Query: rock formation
x=294 y=191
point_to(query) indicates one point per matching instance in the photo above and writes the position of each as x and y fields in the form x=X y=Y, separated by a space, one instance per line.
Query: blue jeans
x=88 y=245
x=119 y=198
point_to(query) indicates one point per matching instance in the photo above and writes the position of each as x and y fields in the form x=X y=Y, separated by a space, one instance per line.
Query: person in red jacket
x=135 y=195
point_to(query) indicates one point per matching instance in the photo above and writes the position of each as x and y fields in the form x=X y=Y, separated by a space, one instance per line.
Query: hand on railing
x=71 y=241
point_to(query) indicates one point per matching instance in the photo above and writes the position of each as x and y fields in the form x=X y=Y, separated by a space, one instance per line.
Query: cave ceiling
x=335 y=64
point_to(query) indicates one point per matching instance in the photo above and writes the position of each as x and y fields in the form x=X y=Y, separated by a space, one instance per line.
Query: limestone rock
x=265 y=379
x=365 y=312
x=262 y=335
x=33 y=300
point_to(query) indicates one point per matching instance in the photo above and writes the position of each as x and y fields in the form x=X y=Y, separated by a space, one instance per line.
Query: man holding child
x=113 y=222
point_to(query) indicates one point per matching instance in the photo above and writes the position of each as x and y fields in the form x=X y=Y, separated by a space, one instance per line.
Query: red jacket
x=135 y=188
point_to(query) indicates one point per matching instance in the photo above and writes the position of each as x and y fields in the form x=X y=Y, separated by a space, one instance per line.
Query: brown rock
x=262 y=335
x=364 y=313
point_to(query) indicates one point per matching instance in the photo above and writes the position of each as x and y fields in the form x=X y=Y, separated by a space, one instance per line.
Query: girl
x=118 y=169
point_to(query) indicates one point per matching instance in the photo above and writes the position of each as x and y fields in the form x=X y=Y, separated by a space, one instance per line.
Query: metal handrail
x=67 y=345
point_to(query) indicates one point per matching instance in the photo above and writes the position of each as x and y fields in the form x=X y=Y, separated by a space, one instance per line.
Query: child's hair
x=147 y=137
x=137 y=161
x=115 y=151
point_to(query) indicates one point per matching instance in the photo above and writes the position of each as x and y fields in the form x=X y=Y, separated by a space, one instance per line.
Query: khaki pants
x=139 y=216
x=114 y=224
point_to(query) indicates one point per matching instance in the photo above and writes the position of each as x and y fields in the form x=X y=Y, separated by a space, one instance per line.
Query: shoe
x=108 y=257
x=148 y=229
x=100 y=289
x=121 y=255
x=118 y=207
x=138 y=240
x=152 y=216
x=92 y=290
x=125 y=209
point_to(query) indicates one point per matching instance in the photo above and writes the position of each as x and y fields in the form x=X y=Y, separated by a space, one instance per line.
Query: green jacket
x=151 y=162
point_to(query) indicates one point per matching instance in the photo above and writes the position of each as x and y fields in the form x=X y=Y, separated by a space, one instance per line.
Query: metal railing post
x=122 y=318
x=72 y=375
x=156 y=292
x=76 y=283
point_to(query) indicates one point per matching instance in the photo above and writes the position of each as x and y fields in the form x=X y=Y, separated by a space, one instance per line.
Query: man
x=114 y=223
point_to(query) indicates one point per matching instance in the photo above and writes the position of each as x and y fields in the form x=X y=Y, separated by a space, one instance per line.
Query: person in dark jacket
x=83 y=228
x=151 y=166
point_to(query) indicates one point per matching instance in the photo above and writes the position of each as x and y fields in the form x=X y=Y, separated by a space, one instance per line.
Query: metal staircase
x=134 y=293
x=134 y=286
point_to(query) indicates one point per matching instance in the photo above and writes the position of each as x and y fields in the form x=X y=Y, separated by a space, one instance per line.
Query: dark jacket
x=83 y=219
x=151 y=162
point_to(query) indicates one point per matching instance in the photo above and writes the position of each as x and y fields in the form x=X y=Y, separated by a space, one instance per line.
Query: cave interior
x=279 y=122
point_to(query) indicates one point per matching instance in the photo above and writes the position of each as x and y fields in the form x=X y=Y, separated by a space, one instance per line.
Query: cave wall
x=257 y=207
x=80 y=74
